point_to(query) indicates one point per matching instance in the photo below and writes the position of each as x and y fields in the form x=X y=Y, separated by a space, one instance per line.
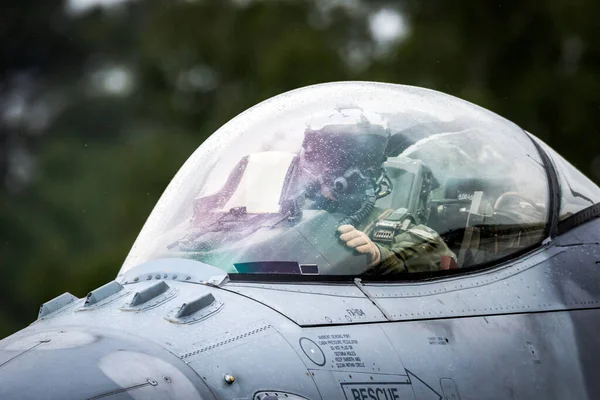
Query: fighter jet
x=352 y=240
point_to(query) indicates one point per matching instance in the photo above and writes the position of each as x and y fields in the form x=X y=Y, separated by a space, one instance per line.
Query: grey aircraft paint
x=170 y=328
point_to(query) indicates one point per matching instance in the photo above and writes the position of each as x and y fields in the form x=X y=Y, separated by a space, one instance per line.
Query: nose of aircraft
x=77 y=364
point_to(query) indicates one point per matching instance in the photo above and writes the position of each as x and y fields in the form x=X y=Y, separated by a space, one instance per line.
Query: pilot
x=342 y=155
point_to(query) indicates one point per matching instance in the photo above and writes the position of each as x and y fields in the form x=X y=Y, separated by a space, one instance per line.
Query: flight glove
x=360 y=242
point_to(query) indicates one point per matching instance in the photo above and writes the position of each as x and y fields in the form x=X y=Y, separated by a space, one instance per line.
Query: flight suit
x=417 y=248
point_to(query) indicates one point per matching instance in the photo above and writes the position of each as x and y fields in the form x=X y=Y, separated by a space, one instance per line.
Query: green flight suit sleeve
x=418 y=249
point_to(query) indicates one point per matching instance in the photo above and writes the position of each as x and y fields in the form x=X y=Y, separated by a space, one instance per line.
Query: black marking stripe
x=24 y=352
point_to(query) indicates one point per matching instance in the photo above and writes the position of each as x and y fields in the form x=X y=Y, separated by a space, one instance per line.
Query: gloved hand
x=360 y=242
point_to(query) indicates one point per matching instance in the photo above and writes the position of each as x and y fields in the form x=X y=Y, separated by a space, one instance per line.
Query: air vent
x=56 y=304
x=149 y=293
x=195 y=310
x=151 y=297
x=103 y=293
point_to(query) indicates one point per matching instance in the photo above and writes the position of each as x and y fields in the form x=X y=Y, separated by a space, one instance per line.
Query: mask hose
x=363 y=212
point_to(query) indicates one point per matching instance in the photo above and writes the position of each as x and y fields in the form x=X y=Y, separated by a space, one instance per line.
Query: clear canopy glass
x=425 y=180
x=577 y=192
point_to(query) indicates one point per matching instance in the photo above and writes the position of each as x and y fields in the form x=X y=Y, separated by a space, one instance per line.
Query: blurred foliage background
x=102 y=100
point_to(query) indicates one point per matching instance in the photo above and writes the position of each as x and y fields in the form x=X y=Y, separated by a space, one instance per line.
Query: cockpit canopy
x=419 y=172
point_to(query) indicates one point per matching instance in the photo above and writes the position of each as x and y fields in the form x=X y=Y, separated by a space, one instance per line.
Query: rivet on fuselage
x=229 y=379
